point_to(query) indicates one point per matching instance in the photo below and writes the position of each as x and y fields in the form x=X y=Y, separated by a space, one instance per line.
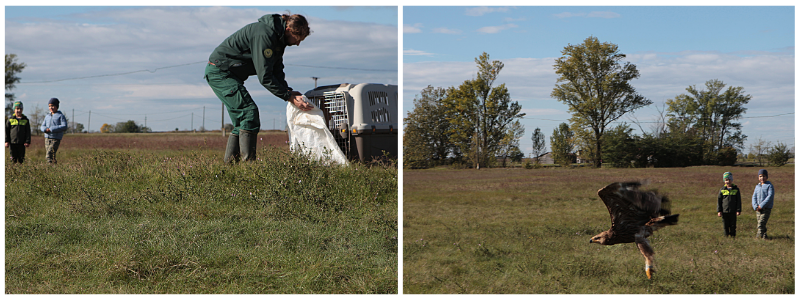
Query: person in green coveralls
x=255 y=49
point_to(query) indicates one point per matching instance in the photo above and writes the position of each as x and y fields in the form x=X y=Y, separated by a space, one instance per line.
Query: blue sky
x=169 y=46
x=673 y=47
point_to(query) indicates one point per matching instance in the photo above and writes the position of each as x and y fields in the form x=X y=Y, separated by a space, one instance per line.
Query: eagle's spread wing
x=626 y=203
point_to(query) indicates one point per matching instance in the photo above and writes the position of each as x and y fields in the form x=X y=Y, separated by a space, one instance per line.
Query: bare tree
x=759 y=149
x=36 y=118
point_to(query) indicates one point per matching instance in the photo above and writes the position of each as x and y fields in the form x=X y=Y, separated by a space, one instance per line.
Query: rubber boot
x=247 y=144
x=232 y=150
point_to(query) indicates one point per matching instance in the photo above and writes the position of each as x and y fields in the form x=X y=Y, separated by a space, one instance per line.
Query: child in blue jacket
x=54 y=126
x=763 y=196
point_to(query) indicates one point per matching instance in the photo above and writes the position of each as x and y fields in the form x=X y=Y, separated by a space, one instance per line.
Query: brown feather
x=635 y=214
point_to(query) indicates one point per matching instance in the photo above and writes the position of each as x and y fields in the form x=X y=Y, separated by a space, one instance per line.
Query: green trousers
x=231 y=91
x=762 y=217
x=50 y=148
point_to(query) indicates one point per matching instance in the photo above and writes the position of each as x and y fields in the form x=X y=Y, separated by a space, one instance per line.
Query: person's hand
x=297 y=101
x=738 y=213
x=47 y=130
x=6 y=145
x=719 y=214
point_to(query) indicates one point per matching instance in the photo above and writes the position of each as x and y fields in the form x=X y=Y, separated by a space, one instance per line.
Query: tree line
x=468 y=125
x=476 y=122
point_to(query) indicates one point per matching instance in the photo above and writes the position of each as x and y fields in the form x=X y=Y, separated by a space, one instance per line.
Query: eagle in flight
x=635 y=215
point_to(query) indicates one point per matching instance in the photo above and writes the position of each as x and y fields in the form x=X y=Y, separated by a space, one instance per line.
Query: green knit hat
x=17 y=104
x=727 y=175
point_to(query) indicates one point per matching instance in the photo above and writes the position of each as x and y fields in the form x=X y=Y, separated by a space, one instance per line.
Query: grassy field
x=161 y=213
x=527 y=231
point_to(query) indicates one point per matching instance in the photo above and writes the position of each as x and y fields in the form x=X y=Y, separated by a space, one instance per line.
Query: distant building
x=546 y=158
x=580 y=159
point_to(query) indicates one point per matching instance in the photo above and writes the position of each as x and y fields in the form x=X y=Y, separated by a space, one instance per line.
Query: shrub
x=778 y=155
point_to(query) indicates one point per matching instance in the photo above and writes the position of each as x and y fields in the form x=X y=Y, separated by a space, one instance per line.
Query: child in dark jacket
x=729 y=204
x=18 y=134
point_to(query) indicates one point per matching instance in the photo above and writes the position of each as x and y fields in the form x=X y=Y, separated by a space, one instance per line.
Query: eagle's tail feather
x=670 y=220
x=663 y=221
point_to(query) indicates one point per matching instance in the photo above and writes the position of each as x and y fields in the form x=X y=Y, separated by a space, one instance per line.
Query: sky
x=118 y=63
x=673 y=48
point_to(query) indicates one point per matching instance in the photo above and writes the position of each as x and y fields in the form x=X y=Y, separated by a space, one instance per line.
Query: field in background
x=527 y=231
x=197 y=141
x=161 y=213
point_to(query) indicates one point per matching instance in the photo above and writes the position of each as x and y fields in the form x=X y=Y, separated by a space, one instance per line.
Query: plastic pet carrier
x=362 y=117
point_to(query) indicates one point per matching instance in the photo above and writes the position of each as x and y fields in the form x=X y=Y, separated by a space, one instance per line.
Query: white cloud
x=416 y=28
x=479 y=11
x=123 y=40
x=603 y=14
x=495 y=29
x=446 y=30
x=594 y=14
x=568 y=15
x=416 y=52
x=514 y=20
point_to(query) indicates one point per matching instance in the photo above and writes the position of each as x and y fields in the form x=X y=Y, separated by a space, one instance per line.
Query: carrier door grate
x=336 y=105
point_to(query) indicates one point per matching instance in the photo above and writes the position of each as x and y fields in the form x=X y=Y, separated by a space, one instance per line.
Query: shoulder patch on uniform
x=267 y=53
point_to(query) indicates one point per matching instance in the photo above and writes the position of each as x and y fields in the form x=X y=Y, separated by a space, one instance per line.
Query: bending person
x=255 y=49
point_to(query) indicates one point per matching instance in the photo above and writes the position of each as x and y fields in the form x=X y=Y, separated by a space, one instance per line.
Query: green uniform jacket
x=18 y=131
x=729 y=200
x=256 y=49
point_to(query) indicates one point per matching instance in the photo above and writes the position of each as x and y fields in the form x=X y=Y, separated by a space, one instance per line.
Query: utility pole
x=90 y=122
x=315 y=81
x=192 y=128
x=73 y=120
x=204 y=118
x=145 y=121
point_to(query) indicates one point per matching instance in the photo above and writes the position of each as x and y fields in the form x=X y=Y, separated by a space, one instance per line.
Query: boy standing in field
x=18 y=134
x=54 y=126
x=729 y=204
x=763 y=196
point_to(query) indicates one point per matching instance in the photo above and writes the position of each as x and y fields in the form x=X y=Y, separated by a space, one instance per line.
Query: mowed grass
x=527 y=231
x=154 y=219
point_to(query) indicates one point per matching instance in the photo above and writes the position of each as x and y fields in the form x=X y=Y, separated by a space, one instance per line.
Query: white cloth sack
x=309 y=135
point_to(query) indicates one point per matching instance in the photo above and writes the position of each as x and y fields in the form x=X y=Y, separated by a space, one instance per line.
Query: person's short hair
x=297 y=23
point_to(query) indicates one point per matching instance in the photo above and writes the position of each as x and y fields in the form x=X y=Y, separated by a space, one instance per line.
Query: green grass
x=149 y=221
x=527 y=231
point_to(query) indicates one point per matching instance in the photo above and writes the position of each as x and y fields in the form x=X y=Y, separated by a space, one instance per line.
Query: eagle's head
x=601 y=238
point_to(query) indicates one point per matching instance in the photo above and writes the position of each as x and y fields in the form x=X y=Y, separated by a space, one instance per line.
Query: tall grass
x=527 y=231
x=148 y=221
